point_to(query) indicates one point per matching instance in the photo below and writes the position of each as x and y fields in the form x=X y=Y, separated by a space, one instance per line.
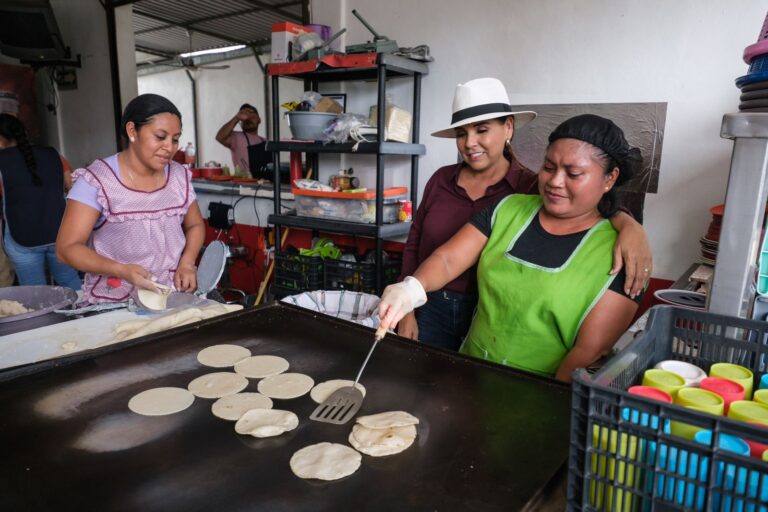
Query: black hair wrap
x=609 y=138
x=143 y=107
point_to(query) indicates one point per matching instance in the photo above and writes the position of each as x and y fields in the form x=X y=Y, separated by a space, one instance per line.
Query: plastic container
x=692 y=374
x=730 y=391
x=736 y=373
x=699 y=338
x=309 y=125
x=357 y=276
x=348 y=206
x=296 y=274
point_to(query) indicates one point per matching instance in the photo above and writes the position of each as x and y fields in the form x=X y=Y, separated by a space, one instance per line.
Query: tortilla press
x=321 y=51
x=209 y=274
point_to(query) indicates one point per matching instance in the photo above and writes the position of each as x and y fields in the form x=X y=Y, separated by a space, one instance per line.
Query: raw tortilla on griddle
x=161 y=401
x=286 y=385
x=232 y=407
x=266 y=422
x=325 y=461
x=325 y=389
x=222 y=356
x=259 y=367
x=217 y=385
x=379 y=442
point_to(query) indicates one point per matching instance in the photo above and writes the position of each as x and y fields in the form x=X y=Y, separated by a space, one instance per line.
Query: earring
x=133 y=140
x=509 y=142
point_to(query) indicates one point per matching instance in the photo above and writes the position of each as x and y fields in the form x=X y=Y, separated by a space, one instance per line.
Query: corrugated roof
x=169 y=27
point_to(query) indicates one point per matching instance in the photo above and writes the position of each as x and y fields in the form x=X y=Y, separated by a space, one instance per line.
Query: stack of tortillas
x=382 y=434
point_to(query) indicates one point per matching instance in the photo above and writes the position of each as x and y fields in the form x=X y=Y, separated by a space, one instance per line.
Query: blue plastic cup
x=764 y=382
x=685 y=473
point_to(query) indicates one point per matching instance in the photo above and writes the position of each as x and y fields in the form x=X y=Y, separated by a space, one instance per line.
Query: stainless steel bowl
x=43 y=300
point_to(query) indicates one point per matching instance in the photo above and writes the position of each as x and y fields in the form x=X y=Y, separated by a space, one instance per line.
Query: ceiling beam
x=153 y=51
x=190 y=24
x=278 y=8
x=187 y=26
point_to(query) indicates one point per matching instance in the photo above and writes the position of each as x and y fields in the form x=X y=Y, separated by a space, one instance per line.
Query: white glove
x=400 y=299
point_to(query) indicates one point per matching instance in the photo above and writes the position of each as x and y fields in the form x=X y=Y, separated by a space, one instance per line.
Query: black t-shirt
x=539 y=247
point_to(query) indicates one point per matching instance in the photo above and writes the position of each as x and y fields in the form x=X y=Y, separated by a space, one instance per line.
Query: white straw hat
x=478 y=100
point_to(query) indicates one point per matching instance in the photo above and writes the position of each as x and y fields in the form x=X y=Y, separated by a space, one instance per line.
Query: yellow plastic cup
x=745 y=410
x=619 y=446
x=765 y=455
x=760 y=396
x=735 y=373
x=699 y=400
x=663 y=380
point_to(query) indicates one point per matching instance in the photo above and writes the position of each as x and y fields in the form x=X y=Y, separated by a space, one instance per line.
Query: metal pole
x=381 y=114
x=194 y=115
x=732 y=291
x=117 y=103
x=267 y=106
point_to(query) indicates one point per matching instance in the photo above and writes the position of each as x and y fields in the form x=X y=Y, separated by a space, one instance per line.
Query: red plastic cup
x=757 y=449
x=731 y=391
x=652 y=393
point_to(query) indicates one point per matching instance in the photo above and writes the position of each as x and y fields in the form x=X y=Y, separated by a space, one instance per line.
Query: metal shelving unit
x=732 y=291
x=387 y=67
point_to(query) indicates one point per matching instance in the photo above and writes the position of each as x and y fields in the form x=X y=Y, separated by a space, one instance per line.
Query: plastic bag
x=312 y=185
x=306 y=42
x=308 y=100
x=345 y=127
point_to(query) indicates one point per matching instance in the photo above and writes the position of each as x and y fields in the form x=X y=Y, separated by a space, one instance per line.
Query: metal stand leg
x=732 y=291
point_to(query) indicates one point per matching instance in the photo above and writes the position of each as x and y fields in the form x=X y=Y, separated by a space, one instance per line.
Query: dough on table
x=12 y=307
x=222 y=356
x=153 y=300
x=232 y=407
x=325 y=389
x=217 y=385
x=258 y=367
x=325 y=461
x=379 y=442
x=161 y=401
x=286 y=385
x=388 y=419
x=266 y=422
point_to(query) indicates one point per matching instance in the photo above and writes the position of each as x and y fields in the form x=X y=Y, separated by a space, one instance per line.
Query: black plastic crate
x=623 y=456
x=296 y=274
x=357 y=276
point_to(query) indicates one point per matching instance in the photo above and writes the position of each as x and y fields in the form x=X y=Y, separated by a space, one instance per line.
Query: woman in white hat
x=547 y=303
x=483 y=124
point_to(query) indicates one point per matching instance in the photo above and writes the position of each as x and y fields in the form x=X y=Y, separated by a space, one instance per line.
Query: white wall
x=219 y=96
x=85 y=117
x=684 y=52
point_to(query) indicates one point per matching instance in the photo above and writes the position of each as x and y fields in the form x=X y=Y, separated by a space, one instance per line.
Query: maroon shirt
x=446 y=207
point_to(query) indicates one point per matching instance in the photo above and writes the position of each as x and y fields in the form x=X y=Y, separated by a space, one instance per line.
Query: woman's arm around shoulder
x=599 y=332
x=632 y=251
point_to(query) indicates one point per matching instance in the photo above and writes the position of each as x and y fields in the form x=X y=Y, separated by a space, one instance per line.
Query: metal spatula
x=344 y=403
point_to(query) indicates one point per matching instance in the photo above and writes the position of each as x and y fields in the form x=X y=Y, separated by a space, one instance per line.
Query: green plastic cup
x=735 y=373
x=698 y=400
x=663 y=380
x=745 y=410
x=760 y=396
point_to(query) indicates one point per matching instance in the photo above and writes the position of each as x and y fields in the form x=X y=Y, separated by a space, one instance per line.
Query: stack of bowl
x=710 y=241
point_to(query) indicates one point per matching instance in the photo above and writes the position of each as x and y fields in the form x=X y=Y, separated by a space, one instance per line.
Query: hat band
x=479 y=110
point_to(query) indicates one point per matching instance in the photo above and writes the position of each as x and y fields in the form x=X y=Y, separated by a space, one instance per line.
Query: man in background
x=247 y=146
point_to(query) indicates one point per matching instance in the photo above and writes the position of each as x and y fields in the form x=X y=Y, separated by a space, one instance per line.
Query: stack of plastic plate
x=754 y=85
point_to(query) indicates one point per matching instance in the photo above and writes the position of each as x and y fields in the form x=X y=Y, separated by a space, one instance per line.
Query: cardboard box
x=328 y=105
x=397 y=123
x=283 y=36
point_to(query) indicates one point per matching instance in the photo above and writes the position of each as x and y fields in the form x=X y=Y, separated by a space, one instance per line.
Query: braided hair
x=13 y=130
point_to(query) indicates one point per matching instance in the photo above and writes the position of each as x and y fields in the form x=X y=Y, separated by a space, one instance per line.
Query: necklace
x=133 y=180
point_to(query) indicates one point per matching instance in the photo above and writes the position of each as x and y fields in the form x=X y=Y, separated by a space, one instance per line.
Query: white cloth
x=361 y=308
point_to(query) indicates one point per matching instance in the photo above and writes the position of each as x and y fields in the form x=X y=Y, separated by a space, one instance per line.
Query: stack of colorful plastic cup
x=730 y=391
x=735 y=373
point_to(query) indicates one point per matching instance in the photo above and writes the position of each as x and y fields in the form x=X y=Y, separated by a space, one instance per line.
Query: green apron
x=528 y=316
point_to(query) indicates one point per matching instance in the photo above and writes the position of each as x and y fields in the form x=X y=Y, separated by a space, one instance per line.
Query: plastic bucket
x=309 y=125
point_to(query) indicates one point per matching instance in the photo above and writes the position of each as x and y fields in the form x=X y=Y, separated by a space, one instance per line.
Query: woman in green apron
x=547 y=303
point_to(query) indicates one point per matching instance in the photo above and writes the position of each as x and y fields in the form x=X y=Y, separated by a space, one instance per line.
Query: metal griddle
x=489 y=437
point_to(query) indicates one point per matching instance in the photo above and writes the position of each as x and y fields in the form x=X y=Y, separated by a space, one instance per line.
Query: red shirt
x=446 y=207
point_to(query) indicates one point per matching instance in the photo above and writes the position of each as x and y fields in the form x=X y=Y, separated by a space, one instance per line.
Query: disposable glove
x=400 y=299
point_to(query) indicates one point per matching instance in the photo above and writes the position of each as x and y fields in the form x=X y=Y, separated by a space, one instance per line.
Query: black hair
x=143 y=108
x=248 y=105
x=613 y=151
x=13 y=129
